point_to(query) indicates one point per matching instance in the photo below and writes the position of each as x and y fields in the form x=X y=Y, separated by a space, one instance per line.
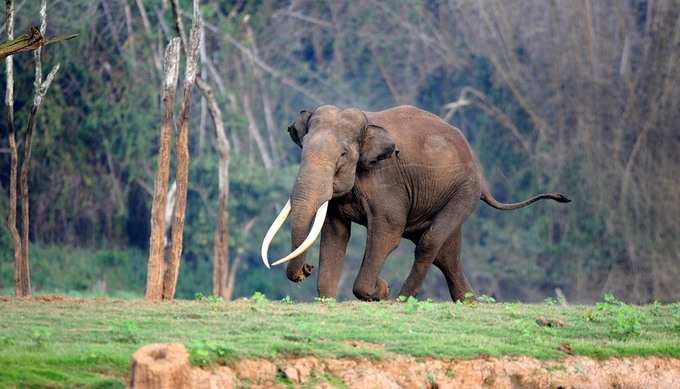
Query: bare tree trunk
x=39 y=94
x=21 y=289
x=221 y=236
x=231 y=271
x=154 y=280
x=20 y=243
x=221 y=249
x=182 y=153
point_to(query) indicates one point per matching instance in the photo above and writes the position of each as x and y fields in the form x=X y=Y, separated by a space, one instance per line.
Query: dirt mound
x=160 y=366
x=402 y=372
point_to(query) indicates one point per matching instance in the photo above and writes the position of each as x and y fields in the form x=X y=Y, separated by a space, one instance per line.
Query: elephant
x=402 y=173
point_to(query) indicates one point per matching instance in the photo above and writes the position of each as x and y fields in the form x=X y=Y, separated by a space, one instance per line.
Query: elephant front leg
x=334 y=237
x=382 y=239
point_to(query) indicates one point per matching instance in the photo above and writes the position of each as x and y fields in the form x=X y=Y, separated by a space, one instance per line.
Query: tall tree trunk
x=221 y=271
x=221 y=236
x=21 y=289
x=182 y=153
x=154 y=280
x=22 y=276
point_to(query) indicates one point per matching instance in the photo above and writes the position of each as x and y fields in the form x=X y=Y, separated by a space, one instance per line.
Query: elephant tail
x=488 y=198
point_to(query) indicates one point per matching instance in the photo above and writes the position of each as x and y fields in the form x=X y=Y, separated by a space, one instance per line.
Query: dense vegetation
x=581 y=98
x=66 y=343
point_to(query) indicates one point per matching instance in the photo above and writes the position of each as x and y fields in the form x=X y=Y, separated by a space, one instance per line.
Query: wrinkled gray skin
x=402 y=172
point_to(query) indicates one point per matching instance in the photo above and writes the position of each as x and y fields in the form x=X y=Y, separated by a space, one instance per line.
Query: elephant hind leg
x=445 y=223
x=448 y=261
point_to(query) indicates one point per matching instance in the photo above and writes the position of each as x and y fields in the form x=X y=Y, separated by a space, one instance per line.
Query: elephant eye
x=344 y=152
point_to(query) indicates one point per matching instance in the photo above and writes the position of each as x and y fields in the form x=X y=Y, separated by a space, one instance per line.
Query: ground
x=58 y=342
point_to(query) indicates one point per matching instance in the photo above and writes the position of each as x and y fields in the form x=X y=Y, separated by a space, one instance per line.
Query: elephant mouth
x=314 y=232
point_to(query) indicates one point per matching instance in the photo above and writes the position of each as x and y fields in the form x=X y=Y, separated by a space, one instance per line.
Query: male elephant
x=402 y=172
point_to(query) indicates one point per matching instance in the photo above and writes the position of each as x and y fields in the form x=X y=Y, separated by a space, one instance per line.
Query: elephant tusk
x=273 y=229
x=311 y=237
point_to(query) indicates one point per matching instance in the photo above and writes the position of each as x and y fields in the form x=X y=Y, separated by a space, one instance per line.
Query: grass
x=88 y=342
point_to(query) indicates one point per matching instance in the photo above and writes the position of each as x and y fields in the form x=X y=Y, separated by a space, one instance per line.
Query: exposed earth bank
x=403 y=372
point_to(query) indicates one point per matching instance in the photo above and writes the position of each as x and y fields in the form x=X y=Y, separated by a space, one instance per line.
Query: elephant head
x=336 y=144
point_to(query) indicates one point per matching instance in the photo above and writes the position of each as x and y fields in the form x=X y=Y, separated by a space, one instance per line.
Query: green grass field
x=88 y=342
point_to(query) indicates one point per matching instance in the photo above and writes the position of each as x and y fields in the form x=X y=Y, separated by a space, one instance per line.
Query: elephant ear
x=298 y=129
x=377 y=144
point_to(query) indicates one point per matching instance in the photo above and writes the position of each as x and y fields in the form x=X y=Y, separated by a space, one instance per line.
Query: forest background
x=581 y=97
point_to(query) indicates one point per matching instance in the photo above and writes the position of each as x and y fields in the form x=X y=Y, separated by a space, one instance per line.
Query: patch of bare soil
x=46 y=298
x=402 y=372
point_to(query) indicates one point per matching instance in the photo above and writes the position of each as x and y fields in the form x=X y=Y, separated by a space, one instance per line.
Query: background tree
x=575 y=96
x=22 y=275
x=164 y=288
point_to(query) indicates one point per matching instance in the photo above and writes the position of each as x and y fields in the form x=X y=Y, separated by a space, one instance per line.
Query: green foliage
x=202 y=352
x=550 y=301
x=40 y=336
x=287 y=300
x=608 y=300
x=325 y=300
x=486 y=299
x=6 y=341
x=412 y=305
x=259 y=298
x=68 y=270
x=125 y=332
x=212 y=299
x=625 y=323
x=469 y=298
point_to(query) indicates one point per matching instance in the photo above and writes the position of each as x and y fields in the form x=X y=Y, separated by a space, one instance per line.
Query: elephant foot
x=301 y=274
x=381 y=291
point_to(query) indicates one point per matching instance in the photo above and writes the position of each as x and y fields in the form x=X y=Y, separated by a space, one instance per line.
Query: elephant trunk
x=309 y=201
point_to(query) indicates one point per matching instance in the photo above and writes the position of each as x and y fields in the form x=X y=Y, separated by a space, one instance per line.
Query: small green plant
x=125 y=332
x=198 y=352
x=431 y=380
x=202 y=352
x=287 y=300
x=676 y=327
x=626 y=323
x=40 y=336
x=469 y=298
x=259 y=298
x=325 y=300
x=608 y=299
x=212 y=299
x=412 y=305
x=486 y=299
x=674 y=308
x=282 y=379
x=6 y=341
x=550 y=301
x=656 y=308
x=215 y=299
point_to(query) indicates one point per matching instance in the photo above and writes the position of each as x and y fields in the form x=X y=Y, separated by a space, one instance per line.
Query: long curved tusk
x=311 y=237
x=273 y=229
